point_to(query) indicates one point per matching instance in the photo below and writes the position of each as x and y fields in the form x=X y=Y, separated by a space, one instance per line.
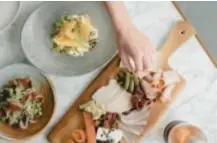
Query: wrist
x=119 y=14
x=125 y=27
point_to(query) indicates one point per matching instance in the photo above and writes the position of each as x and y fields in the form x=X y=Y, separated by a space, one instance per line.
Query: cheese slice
x=113 y=97
x=106 y=93
x=120 y=103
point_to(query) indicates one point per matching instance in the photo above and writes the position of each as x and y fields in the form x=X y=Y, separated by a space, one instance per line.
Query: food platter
x=73 y=119
x=110 y=72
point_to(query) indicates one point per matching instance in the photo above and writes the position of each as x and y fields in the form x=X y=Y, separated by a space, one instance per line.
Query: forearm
x=119 y=15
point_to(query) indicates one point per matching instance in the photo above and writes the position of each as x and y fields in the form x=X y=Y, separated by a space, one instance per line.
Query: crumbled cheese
x=113 y=135
x=95 y=108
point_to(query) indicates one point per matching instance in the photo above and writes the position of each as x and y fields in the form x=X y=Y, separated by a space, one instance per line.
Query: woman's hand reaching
x=135 y=49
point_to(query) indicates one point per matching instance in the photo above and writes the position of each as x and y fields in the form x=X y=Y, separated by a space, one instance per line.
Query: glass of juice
x=183 y=132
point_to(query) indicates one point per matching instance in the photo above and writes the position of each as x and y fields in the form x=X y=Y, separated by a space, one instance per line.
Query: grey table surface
x=197 y=103
x=202 y=15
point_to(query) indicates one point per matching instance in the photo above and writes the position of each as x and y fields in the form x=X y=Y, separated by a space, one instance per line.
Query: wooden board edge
x=196 y=36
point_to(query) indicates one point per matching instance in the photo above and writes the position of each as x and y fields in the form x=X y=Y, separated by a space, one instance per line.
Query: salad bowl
x=42 y=86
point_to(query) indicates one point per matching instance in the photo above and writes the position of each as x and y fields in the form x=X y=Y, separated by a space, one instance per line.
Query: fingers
x=146 y=62
x=126 y=62
x=142 y=74
x=138 y=63
x=124 y=57
x=150 y=59
x=154 y=60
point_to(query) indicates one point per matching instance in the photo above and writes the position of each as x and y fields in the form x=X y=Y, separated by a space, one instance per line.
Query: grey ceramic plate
x=36 y=41
x=42 y=85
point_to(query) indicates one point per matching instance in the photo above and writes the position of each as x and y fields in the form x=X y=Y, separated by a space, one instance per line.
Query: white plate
x=21 y=70
x=36 y=40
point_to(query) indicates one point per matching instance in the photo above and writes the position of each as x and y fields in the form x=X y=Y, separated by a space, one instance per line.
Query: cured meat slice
x=151 y=93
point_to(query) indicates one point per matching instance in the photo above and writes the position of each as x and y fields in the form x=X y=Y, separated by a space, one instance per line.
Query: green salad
x=20 y=103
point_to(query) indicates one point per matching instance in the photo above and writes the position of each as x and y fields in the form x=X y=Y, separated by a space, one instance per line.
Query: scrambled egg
x=74 y=35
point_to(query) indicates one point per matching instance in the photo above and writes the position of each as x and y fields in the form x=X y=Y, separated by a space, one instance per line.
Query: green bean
x=132 y=84
x=127 y=81
x=136 y=80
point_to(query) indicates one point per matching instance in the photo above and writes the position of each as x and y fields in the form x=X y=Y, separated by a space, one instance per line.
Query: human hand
x=135 y=49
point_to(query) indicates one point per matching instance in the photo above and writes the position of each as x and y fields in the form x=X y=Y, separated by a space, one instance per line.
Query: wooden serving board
x=73 y=118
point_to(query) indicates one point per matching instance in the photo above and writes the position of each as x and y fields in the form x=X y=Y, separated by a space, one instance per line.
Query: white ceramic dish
x=36 y=40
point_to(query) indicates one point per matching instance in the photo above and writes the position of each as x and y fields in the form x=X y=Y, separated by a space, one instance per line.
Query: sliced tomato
x=26 y=82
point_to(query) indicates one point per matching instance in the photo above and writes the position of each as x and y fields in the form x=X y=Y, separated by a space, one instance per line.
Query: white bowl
x=36 y=40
